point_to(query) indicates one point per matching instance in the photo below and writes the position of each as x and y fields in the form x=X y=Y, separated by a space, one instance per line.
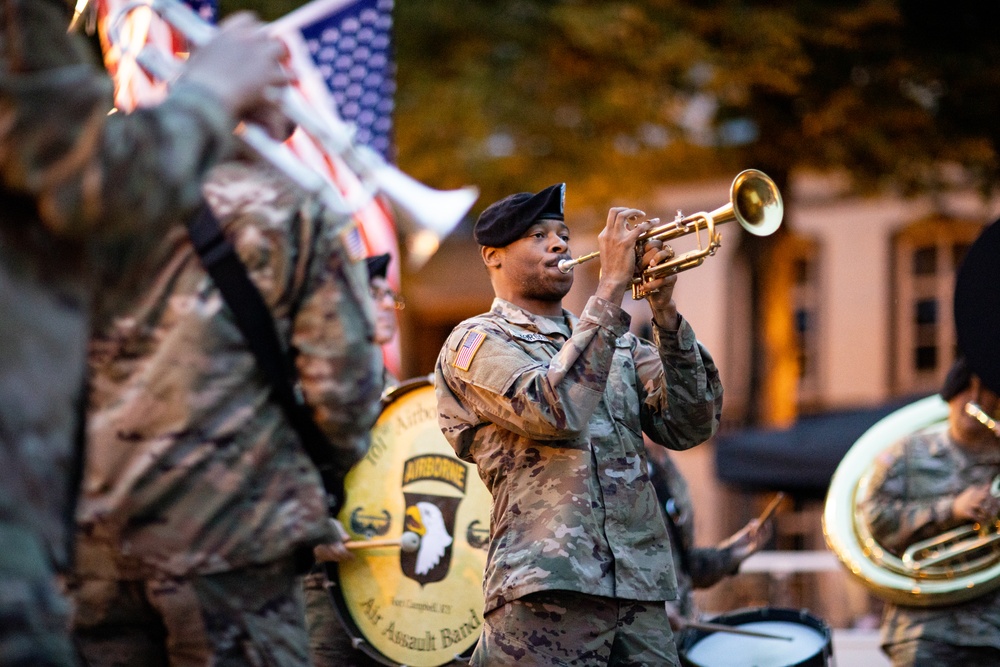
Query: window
x=926 y=256
x=806 y=307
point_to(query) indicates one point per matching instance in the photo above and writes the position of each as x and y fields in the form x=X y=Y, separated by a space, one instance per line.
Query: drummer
x=387 y=302
x=696 y=566
x=329 y=643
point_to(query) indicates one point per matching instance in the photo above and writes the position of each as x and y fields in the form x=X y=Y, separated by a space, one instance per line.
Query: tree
x=619 y=97
x=514 y=95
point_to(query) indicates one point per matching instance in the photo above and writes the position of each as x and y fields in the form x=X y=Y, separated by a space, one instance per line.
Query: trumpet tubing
x=754 y=202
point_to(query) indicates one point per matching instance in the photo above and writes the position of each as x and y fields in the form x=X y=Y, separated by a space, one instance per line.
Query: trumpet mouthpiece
x=566 y=265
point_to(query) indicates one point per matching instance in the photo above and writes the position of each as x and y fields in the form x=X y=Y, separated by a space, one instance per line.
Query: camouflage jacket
x=191 y=468
x=72 y=179
x=696 y=567
x=552 y=411
x=913 y=486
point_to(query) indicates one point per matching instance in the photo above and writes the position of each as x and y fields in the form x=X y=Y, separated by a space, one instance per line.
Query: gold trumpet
x=754 y=202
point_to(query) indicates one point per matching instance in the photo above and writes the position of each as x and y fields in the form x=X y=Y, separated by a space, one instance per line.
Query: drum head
x=422 y=607
x=808 y=641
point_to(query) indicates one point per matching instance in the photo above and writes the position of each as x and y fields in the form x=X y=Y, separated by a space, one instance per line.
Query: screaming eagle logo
x=431 y=516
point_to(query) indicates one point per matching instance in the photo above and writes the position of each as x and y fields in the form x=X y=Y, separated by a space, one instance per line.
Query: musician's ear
x=491 y=256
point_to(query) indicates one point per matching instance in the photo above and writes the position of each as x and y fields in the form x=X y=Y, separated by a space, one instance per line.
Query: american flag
x=350 y=44
x=139 y=28
x=340 y=51
x=342 y=58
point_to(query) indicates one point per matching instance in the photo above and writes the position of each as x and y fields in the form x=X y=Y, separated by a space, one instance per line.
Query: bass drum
x=422 y=607
x=809 y=645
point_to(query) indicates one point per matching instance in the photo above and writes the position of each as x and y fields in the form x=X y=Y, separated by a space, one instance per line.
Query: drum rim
x=404 y=388
x=753 y=614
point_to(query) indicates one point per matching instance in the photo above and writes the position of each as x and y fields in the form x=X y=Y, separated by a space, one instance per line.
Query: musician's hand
x=241 y=65
x=749 y=539
x=617 y=245
x=334 y=552
x=660 y=290
x=976 y=503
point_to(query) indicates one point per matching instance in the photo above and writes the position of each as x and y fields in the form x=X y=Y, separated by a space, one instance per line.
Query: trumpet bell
x=756 y=202
x=428 y=215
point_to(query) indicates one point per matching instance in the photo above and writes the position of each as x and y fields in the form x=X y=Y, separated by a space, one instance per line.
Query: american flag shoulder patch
x=355 y=245
x=467 y=350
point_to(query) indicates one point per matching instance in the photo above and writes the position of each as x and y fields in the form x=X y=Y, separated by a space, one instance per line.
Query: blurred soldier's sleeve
x=679 y=388
x=896 y=516
x=341 y=369
x=82 y=168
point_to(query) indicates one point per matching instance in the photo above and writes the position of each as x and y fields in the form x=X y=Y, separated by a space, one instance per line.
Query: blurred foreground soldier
x=73 y=183
x=199 y=500
x=696 y=567
x=329 y=642
x=937 y=479
x=552 y=409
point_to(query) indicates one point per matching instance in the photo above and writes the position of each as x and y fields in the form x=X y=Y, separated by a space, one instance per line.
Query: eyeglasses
x=379 y=294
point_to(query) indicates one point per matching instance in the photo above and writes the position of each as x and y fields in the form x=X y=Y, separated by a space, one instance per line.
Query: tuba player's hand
x=976 y=503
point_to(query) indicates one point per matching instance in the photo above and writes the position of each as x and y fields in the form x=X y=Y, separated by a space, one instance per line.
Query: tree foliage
x=621 y=96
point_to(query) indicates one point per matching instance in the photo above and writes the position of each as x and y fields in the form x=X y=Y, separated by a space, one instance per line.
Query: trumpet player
x=551 y=408
x=934 y=480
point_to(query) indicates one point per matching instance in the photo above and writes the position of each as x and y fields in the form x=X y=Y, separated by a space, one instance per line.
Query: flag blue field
x=350 y=43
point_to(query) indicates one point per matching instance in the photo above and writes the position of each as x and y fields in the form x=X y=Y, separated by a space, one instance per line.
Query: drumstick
x=407 y=542
x=771 y=507
x=719 y=627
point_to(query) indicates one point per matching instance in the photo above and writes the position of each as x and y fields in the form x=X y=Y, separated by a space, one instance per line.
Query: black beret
x=977 y=307
x=958 y=379
x=504 y=221
x=378 y=265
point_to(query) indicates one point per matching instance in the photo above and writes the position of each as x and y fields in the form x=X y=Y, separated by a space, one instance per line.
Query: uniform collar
x=522 y=318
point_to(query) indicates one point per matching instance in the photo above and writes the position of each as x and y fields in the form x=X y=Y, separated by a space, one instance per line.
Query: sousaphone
x=959 y=564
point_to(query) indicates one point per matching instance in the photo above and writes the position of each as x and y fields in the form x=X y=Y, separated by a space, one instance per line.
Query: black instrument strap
x=256 y=323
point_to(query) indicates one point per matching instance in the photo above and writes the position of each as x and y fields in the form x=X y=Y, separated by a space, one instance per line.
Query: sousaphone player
x=944 y=477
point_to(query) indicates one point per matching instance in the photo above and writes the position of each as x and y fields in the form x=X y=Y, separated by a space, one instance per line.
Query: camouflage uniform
x=552 y=411
x=913 y=487
x=330 y=643
x=696 y=567
x=71 y=179
x=193 y=474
